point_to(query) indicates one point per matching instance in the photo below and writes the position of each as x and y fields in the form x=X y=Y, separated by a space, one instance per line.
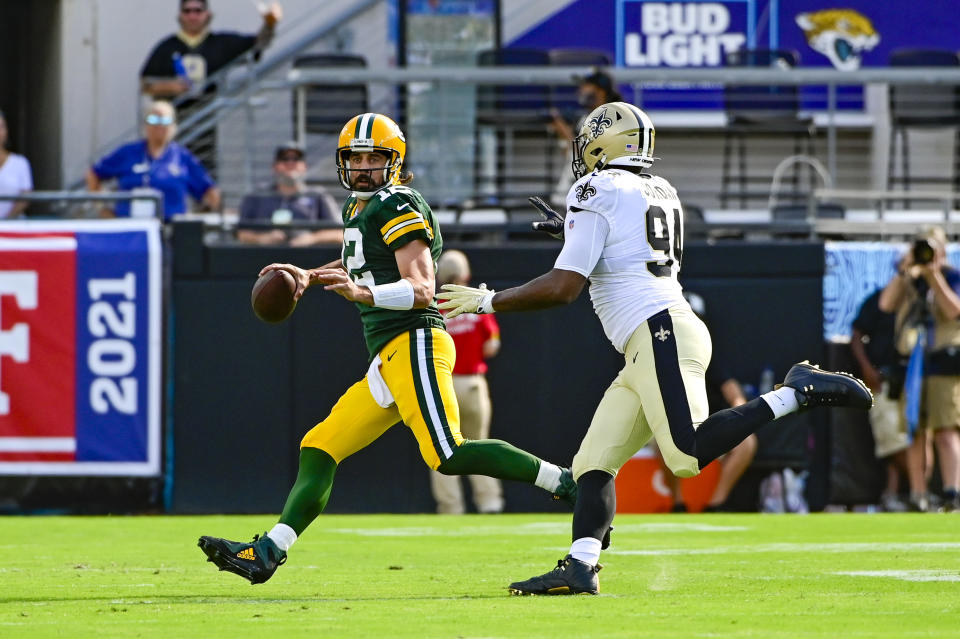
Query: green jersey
x=392 y=218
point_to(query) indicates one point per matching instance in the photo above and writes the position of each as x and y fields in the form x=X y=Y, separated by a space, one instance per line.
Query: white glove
x=458 y=299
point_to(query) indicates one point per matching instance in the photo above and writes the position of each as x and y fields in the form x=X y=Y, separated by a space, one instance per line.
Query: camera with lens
x=923 y=251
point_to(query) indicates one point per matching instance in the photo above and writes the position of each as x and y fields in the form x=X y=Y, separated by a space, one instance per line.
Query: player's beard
x=364 y=186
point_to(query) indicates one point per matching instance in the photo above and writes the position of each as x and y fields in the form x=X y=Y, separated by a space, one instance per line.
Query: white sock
x=548 y=477
x=283 y=536
x=586 y=549
x=782 y=401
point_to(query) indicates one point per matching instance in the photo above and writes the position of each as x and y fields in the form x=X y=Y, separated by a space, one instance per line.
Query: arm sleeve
x=866 y=318
x=158 y=65
x=235 y=44
x=112 y=164
x=197 y=179
x=248 y=209
x=26 y=178
x=583 y=242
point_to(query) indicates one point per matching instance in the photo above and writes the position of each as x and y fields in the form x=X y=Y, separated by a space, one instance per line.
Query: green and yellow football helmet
x=371 y=132
x=614 y=134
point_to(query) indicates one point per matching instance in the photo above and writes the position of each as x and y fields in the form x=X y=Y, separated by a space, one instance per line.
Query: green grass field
x=430 y=576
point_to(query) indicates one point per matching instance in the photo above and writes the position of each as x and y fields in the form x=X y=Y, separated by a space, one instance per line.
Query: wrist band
x=396 y=296
x=486 y=304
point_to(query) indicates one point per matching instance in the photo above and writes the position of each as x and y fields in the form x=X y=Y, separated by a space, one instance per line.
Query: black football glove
x=552 y=221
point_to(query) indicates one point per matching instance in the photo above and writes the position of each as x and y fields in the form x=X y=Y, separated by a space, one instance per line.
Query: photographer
x=925 y=295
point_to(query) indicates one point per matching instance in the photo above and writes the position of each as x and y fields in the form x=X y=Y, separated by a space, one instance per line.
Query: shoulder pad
x=594 y=192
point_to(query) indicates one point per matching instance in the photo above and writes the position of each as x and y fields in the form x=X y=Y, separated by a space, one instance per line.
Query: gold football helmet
x=369 y=132
x=614 y=134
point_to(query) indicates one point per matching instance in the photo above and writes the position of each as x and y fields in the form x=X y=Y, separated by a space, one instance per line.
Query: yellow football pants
x=418 y=369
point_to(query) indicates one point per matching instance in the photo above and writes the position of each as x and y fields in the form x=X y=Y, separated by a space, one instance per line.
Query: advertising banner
x=80 y=357
x=854 y=270
x=702 y=33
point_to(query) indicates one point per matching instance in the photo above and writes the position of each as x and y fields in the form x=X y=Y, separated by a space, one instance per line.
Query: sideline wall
x=245 y=392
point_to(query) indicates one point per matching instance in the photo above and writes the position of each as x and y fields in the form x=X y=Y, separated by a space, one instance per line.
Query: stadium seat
x=323 y=108
x=922 y=107
x=515 y=114
x=760 y=110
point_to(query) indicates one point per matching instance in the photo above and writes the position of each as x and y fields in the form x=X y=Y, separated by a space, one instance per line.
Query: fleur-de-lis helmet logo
x=599 y=124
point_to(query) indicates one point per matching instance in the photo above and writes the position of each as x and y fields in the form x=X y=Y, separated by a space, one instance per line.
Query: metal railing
x=80 y=204
x=484 y=136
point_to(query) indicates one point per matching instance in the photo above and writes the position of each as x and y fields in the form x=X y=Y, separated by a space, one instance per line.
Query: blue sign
x=854 y=270
x=700 y=33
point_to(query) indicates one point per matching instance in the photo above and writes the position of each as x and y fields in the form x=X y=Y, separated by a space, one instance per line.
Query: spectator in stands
x=155 y=163
x=179 y=65
x=477 y=338
x=288 y=200
x=723 y=391
x=592 y=91
x=15 y=176
x=184 y=60
x=881 y=369
x=925 y=295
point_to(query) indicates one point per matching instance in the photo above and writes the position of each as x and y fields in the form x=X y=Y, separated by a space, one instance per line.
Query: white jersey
x=625 y=233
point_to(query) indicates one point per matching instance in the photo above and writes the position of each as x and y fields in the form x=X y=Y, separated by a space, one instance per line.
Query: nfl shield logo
x=570 y=225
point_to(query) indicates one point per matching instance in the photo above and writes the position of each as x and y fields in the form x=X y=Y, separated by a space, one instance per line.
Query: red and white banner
x=80 y=358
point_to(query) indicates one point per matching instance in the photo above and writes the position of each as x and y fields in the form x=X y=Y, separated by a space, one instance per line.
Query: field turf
x=427 y=576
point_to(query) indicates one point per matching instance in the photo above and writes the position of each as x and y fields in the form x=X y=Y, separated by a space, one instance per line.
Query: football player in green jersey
x=391 y=243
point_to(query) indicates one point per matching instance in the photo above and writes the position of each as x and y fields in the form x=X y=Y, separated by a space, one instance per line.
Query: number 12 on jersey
x=666 y=238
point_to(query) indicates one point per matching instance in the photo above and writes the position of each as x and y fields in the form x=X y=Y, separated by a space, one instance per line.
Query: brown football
x=272 y=296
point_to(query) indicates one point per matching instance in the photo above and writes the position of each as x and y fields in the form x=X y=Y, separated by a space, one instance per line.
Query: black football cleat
x=256 y=561
x=570 y=577
x=816 y=387
x=567 y=490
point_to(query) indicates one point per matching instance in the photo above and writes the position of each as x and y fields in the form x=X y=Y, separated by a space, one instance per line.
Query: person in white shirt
x=624 y=232
x=15 y=176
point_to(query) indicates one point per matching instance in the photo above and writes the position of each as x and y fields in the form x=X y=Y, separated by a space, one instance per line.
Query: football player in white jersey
x=624 y=232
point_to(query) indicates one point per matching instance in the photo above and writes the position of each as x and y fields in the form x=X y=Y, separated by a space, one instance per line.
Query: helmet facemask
x=390 y=173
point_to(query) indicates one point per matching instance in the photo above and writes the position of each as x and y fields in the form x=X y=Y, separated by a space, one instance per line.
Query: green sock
x=310 y=492
x=494 y=458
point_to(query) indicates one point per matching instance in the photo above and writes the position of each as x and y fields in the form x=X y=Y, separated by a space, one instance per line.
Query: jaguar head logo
x=585 y=191
x=599 y=124
x=843 y=35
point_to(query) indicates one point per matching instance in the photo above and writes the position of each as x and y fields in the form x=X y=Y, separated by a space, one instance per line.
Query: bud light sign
x=682 y=34
x=80 y=362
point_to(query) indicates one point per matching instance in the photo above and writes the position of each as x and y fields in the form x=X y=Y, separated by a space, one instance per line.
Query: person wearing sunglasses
x=184 y=60
x=158 y=164
x=179 y=65
x=288 y=201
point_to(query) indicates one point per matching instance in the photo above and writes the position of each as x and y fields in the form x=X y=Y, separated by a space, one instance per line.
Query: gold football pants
x=417 y=367
x=661 y=392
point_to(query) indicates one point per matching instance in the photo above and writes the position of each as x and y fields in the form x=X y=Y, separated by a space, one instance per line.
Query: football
x=272 y=296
